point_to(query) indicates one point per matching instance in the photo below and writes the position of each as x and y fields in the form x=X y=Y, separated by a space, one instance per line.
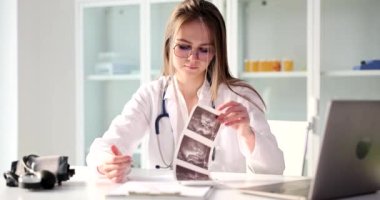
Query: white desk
x=82 y=186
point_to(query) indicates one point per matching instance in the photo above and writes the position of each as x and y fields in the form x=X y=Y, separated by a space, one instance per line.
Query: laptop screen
x=349 y=160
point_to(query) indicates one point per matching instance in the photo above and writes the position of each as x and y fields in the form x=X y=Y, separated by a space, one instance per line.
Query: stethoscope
x=163 y=114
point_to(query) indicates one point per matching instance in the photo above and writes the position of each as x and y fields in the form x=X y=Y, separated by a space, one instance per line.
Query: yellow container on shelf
x=251 y=65
x=247 y=67
x=262 y=65
x=276 y=65
x=269 y=66
x=287 y=65
x=254 y=65
x=266 y=66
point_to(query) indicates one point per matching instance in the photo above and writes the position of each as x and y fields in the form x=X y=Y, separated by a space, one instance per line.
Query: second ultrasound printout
x=193 y=154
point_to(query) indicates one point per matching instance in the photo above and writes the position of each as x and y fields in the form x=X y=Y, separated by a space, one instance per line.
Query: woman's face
x=192 y=50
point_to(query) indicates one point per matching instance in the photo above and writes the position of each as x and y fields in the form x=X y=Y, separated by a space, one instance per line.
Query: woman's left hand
x=234 y=114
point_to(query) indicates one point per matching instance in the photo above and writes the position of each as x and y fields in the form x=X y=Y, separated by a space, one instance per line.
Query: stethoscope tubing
x=163 y=114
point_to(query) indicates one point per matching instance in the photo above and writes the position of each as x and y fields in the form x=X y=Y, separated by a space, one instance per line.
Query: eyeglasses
x=202 y=53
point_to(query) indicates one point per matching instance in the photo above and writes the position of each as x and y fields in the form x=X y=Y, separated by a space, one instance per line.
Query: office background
x=38 y=69
x=37 y=84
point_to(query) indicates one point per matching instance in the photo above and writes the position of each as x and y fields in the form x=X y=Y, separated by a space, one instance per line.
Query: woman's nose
x=193 y=55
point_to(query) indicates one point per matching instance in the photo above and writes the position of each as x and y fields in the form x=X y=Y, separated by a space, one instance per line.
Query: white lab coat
x=232 y=155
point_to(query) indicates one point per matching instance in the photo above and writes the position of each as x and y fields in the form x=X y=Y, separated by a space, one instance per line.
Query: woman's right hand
x=117 y=166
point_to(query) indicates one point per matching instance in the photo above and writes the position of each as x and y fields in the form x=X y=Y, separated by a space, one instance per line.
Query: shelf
x=351 y=73
x=294 y=74
x=124 y=77
x=303 y=74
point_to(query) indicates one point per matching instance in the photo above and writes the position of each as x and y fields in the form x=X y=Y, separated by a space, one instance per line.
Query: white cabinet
x=274 y=30
x=268 y=33
x=349 y=34
x=119 y=47
x=324 y=38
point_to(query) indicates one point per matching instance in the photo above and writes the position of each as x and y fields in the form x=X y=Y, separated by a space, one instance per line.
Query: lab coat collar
x=170 y=94
x=203 y=93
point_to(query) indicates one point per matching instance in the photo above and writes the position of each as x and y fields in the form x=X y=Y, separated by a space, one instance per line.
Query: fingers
x=116 y=173
x=228 y=104
x=233 y=113
x=117 y=166
x=118 y=179
x=119 y=157
x=115 y=150
x=108 y=168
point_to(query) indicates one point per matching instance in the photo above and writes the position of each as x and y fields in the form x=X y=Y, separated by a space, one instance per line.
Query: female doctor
x=195 y=72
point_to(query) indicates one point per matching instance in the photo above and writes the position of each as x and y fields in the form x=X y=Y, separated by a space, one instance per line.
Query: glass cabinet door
x=270 y=52
x=272 y=46
x=349 y=37
x=111 y=64
x=159 y=16
x=159 y=12
x=114 y=55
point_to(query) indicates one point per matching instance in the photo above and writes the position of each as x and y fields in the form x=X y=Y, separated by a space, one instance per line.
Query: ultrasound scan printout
x=193 y=153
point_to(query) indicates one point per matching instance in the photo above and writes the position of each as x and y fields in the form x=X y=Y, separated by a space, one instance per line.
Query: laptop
x=349 y=161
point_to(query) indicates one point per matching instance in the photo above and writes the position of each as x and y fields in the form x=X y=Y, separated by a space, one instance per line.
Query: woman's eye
x=184 y=47
x=204 y=50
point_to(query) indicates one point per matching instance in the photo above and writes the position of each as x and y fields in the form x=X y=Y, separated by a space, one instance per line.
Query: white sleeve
x=125 y=131
x=267 y=157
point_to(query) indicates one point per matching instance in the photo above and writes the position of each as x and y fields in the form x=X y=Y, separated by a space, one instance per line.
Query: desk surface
x=82 y=186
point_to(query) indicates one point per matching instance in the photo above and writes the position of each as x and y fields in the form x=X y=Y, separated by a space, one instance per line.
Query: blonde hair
x=218 y=70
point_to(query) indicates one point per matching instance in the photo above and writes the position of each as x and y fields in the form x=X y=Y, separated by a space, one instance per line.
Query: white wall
x=8 y=83
x=46 y=78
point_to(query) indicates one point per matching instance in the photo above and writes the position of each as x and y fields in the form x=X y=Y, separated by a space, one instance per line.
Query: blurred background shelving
x=121 y=44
